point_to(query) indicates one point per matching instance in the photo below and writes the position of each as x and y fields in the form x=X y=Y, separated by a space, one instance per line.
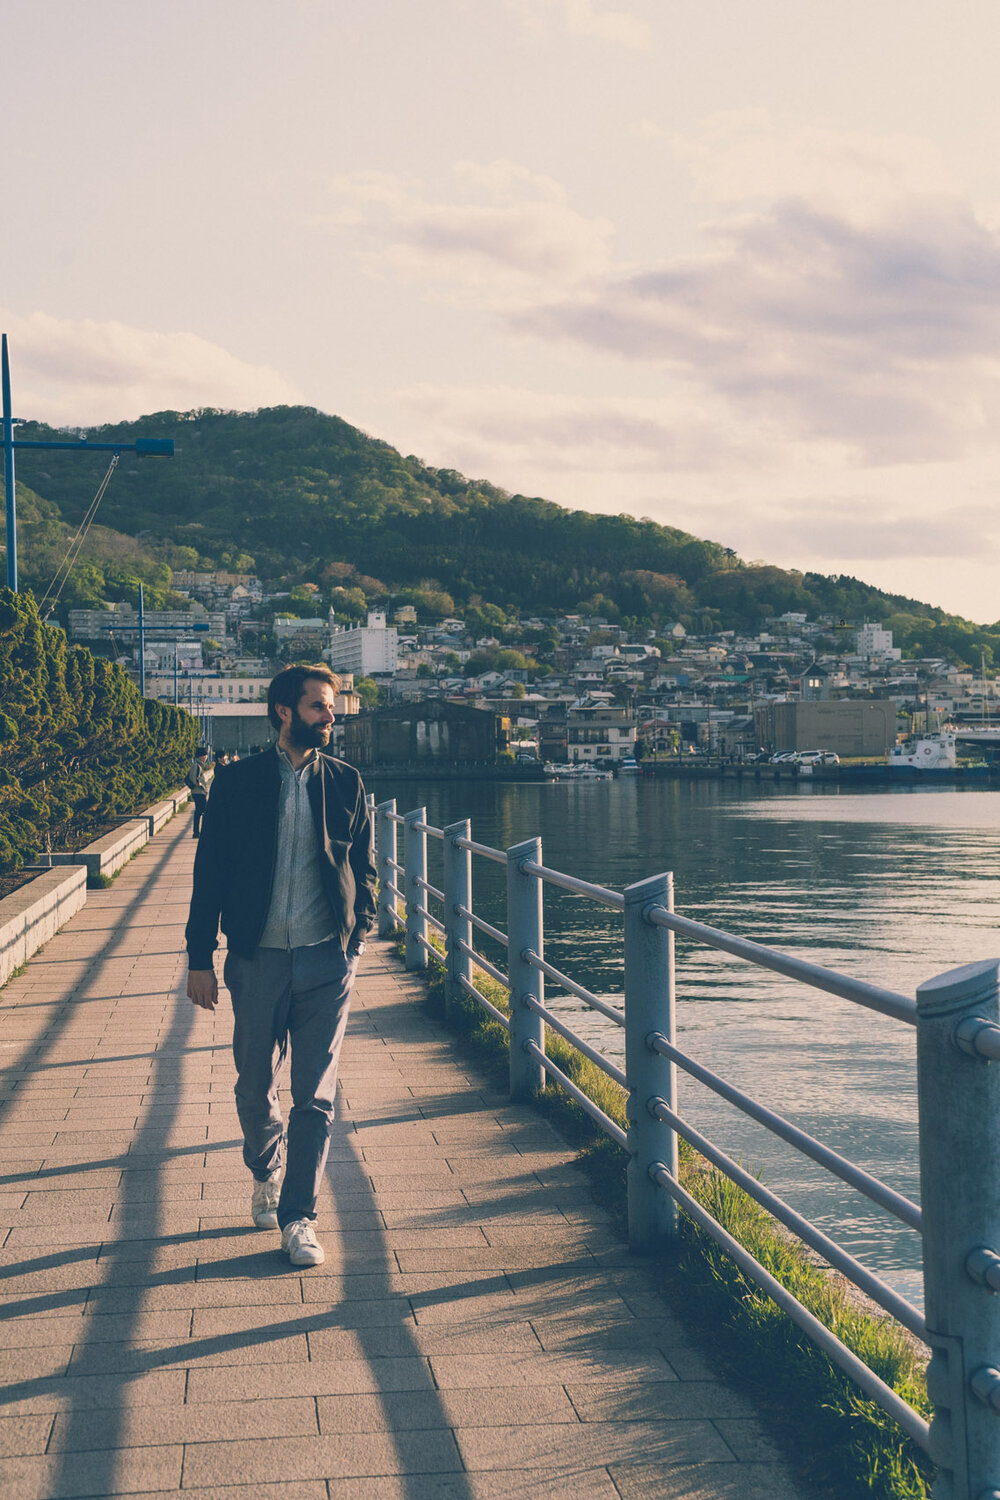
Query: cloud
x=861 y=531
x=503 y=430
x=77 y=372
x=882 y=336
x=750 y=155
x=505 y=227
x=583 y=18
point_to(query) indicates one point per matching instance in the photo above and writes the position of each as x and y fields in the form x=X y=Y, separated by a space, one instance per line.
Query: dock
x=478 y=1330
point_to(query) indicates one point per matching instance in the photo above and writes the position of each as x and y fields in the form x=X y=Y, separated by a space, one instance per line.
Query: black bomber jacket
x=234 y=865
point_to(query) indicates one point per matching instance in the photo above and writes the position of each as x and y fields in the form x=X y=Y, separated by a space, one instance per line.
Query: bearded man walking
x=285 y=863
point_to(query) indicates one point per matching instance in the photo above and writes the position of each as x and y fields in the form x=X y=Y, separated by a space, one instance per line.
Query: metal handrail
x=873 y=1286
x=431 y=921
x=585 y=1102
x=649 y=988
x=888 y=1002
x=886 y=1197
x=559 y=1025
x=497 y=1014
x=392 y=864
x=578 y=887
x=484 y=964
x=564 y=981
x=483 y=926
x=395 y=890
x=909 y=1420
x=486 y=850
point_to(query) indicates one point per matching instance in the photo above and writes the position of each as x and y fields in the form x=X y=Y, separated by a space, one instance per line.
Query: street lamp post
x=148 y=447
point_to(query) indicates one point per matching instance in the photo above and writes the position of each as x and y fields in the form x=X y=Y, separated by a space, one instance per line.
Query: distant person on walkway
x=285 y=860
x=199 y=779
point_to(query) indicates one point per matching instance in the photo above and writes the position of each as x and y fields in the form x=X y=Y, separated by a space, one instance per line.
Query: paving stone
x=401 y=1412
x=562 y=1483
x=304 y=1489
x=112 y=1472
x=704 y=1481
x=479 y=1371
x=87 y=1392
x=423 y=1451
x=665 y=1443
x=144 y=1426
x=21 y=1435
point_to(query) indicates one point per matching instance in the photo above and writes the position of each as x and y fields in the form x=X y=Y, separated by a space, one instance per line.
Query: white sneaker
x=299 y=1242
x=264 y=1203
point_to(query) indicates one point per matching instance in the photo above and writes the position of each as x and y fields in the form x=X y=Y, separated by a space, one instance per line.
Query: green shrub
x=78 y=742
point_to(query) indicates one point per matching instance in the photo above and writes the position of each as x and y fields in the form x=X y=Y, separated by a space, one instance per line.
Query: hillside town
x=559 y=688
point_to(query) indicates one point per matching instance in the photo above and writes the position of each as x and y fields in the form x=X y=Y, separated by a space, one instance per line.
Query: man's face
x=308 y=724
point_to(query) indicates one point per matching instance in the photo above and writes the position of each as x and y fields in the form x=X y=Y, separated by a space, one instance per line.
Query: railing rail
x=957 y=1020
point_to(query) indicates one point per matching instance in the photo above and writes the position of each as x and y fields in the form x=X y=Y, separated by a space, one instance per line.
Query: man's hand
x=203 y=988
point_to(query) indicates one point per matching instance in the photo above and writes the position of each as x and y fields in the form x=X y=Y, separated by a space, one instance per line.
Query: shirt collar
x=309 y=765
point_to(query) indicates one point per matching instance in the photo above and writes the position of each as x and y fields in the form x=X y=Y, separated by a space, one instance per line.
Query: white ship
x=929 y=752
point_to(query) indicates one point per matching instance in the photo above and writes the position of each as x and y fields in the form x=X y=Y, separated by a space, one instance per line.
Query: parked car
x=829 y=758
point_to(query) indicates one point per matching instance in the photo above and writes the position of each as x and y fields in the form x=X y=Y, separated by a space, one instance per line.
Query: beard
x=307 y=736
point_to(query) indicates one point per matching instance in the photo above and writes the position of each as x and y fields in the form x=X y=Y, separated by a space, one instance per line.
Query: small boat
x=628 y=766
x=930 y=752
x=574 y=771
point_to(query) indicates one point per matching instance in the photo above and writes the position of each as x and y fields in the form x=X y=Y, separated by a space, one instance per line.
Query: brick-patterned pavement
x=476 y=1332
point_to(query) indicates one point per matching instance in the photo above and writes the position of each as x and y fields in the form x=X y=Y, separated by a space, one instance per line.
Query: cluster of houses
x=559 y=688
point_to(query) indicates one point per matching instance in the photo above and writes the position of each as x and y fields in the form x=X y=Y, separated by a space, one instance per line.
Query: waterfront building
x=850 y=726
x=368 y=650
x=598 y=730
x=435 y=730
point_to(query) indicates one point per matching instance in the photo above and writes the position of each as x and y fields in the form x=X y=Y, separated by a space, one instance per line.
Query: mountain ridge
x=291 y=493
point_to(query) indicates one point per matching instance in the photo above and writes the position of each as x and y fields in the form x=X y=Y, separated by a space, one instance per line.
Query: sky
x=733 y=265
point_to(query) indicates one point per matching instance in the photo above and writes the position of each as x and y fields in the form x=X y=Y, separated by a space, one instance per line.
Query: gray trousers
x=289 y=1000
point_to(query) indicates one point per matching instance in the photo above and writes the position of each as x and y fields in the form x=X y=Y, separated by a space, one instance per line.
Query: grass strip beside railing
x=840 y=1443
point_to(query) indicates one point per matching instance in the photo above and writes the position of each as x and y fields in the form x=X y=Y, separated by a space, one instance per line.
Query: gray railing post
x=385 y=858
x=457 y=929
x=649 y=1009
x=524 y=934
x=958 y=1094
x=415 y=860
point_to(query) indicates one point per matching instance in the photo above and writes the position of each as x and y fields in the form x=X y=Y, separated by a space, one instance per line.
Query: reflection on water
x=890 y=886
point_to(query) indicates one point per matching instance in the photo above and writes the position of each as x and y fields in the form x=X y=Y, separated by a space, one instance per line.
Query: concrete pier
x=477 y=1331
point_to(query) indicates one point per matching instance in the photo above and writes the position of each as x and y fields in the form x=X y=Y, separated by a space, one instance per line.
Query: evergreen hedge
x=79 y=745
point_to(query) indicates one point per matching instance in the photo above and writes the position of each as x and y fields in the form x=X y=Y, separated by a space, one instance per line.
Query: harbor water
x=891 y=886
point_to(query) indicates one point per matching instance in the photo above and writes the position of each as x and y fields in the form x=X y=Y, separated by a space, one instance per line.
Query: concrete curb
x=33 y=914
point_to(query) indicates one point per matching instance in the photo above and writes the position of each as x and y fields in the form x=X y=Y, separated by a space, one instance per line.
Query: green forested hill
x=298 y=496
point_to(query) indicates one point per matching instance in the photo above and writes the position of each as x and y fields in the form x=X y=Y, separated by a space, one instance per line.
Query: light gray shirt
x=299 y=913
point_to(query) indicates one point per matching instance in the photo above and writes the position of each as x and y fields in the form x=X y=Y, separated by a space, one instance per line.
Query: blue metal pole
x=142 y=645
x=8 y=474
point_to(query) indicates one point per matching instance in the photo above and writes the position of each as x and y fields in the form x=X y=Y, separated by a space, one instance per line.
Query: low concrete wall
x=108 y=854
x=33 y=914
x=159 y=814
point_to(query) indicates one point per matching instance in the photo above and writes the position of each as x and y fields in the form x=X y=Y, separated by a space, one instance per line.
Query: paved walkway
x=476 y=1332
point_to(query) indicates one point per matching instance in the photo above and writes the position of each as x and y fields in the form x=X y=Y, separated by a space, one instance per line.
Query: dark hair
x=289 y=685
